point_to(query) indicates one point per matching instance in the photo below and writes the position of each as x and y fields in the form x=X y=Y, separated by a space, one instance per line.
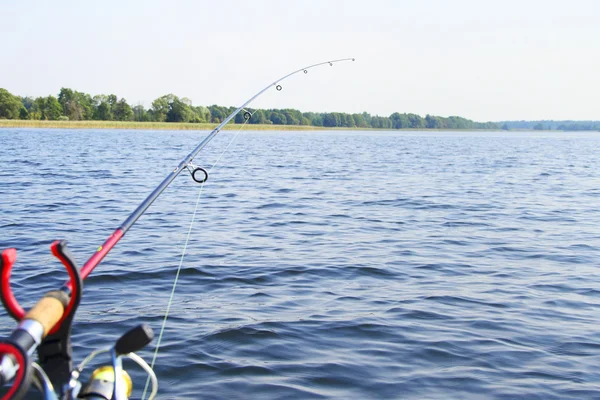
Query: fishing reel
x=47 y=328
x=109 y=382
x=112 y=382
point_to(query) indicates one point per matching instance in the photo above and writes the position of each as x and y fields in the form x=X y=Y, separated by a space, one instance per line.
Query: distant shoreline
x=182 y=126
x=190 y=126
x=134 y=125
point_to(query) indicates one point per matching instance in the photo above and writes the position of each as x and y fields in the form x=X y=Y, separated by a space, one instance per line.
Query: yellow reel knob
x=107 y=373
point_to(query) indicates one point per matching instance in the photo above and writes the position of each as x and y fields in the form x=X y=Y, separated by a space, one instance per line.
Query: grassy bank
x=181 y=126
x=17 y=123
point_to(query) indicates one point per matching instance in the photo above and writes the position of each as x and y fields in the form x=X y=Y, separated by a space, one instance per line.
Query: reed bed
x=17 y=123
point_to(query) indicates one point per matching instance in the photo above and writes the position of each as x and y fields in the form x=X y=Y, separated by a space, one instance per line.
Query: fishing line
x=247 y=116
x=187 y=239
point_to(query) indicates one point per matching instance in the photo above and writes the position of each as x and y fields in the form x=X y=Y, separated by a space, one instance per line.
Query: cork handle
x=48 y=311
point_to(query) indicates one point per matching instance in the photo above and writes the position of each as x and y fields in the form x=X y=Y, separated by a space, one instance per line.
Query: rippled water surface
x=405 y=265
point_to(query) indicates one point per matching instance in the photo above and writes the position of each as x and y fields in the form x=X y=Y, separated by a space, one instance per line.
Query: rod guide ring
x=198 y=179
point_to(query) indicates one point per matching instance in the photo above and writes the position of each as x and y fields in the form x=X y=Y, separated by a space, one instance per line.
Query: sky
x=487 y=60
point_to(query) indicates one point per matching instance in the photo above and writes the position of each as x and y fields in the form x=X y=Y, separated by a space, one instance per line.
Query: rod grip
x=49 y=310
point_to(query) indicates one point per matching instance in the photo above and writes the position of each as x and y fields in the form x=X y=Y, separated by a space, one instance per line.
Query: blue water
x=405 y=265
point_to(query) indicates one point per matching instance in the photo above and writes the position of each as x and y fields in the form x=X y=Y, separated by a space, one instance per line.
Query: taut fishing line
x=247 y=116
x=187 y=239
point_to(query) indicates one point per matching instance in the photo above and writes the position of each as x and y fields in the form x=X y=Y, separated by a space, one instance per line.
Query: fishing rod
x=47 y=326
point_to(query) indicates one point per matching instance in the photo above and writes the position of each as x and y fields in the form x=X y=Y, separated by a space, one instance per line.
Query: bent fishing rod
x=47 y=326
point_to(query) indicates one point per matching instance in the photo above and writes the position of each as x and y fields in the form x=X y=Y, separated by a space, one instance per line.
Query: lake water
x=380 y=265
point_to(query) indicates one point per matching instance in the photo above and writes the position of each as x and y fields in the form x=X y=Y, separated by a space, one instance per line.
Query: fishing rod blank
x=89 y=266
x=47 y=326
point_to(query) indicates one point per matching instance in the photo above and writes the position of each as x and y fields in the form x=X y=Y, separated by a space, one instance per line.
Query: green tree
x=179 y=111
x=10 y=105
x=34 y=111
x=103 y=112
x=160 y=108
x=52 y=108
x=103 y=107
x=396 y=119
x=258 y=117
x=359 y=120
x=432 y=122
x=348 y=121
x=277 y=118
x=202 y=114
x=65 y=97
x=454 y=122
x=292 y=117
x=27 y=102
x=75 y=105
x=111 y=99
x=381 y=122
x=46 y=108
x=317 y=120
x=23 y=114
x=415 y=121
x=140 y=114
x=122 y=111
x=217 y=113
x=331 y=120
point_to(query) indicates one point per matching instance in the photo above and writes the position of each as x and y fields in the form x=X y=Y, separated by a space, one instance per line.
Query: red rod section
x=94 y=260
x=100 y=253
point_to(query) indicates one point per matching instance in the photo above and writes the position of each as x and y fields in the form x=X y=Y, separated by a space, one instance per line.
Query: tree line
x=72 y=105
x=566 y=125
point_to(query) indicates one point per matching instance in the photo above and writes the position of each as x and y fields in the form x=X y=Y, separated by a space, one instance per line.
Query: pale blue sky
x=485 y=60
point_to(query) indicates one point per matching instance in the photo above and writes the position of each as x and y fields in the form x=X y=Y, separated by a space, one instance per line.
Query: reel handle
x=134 y=339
